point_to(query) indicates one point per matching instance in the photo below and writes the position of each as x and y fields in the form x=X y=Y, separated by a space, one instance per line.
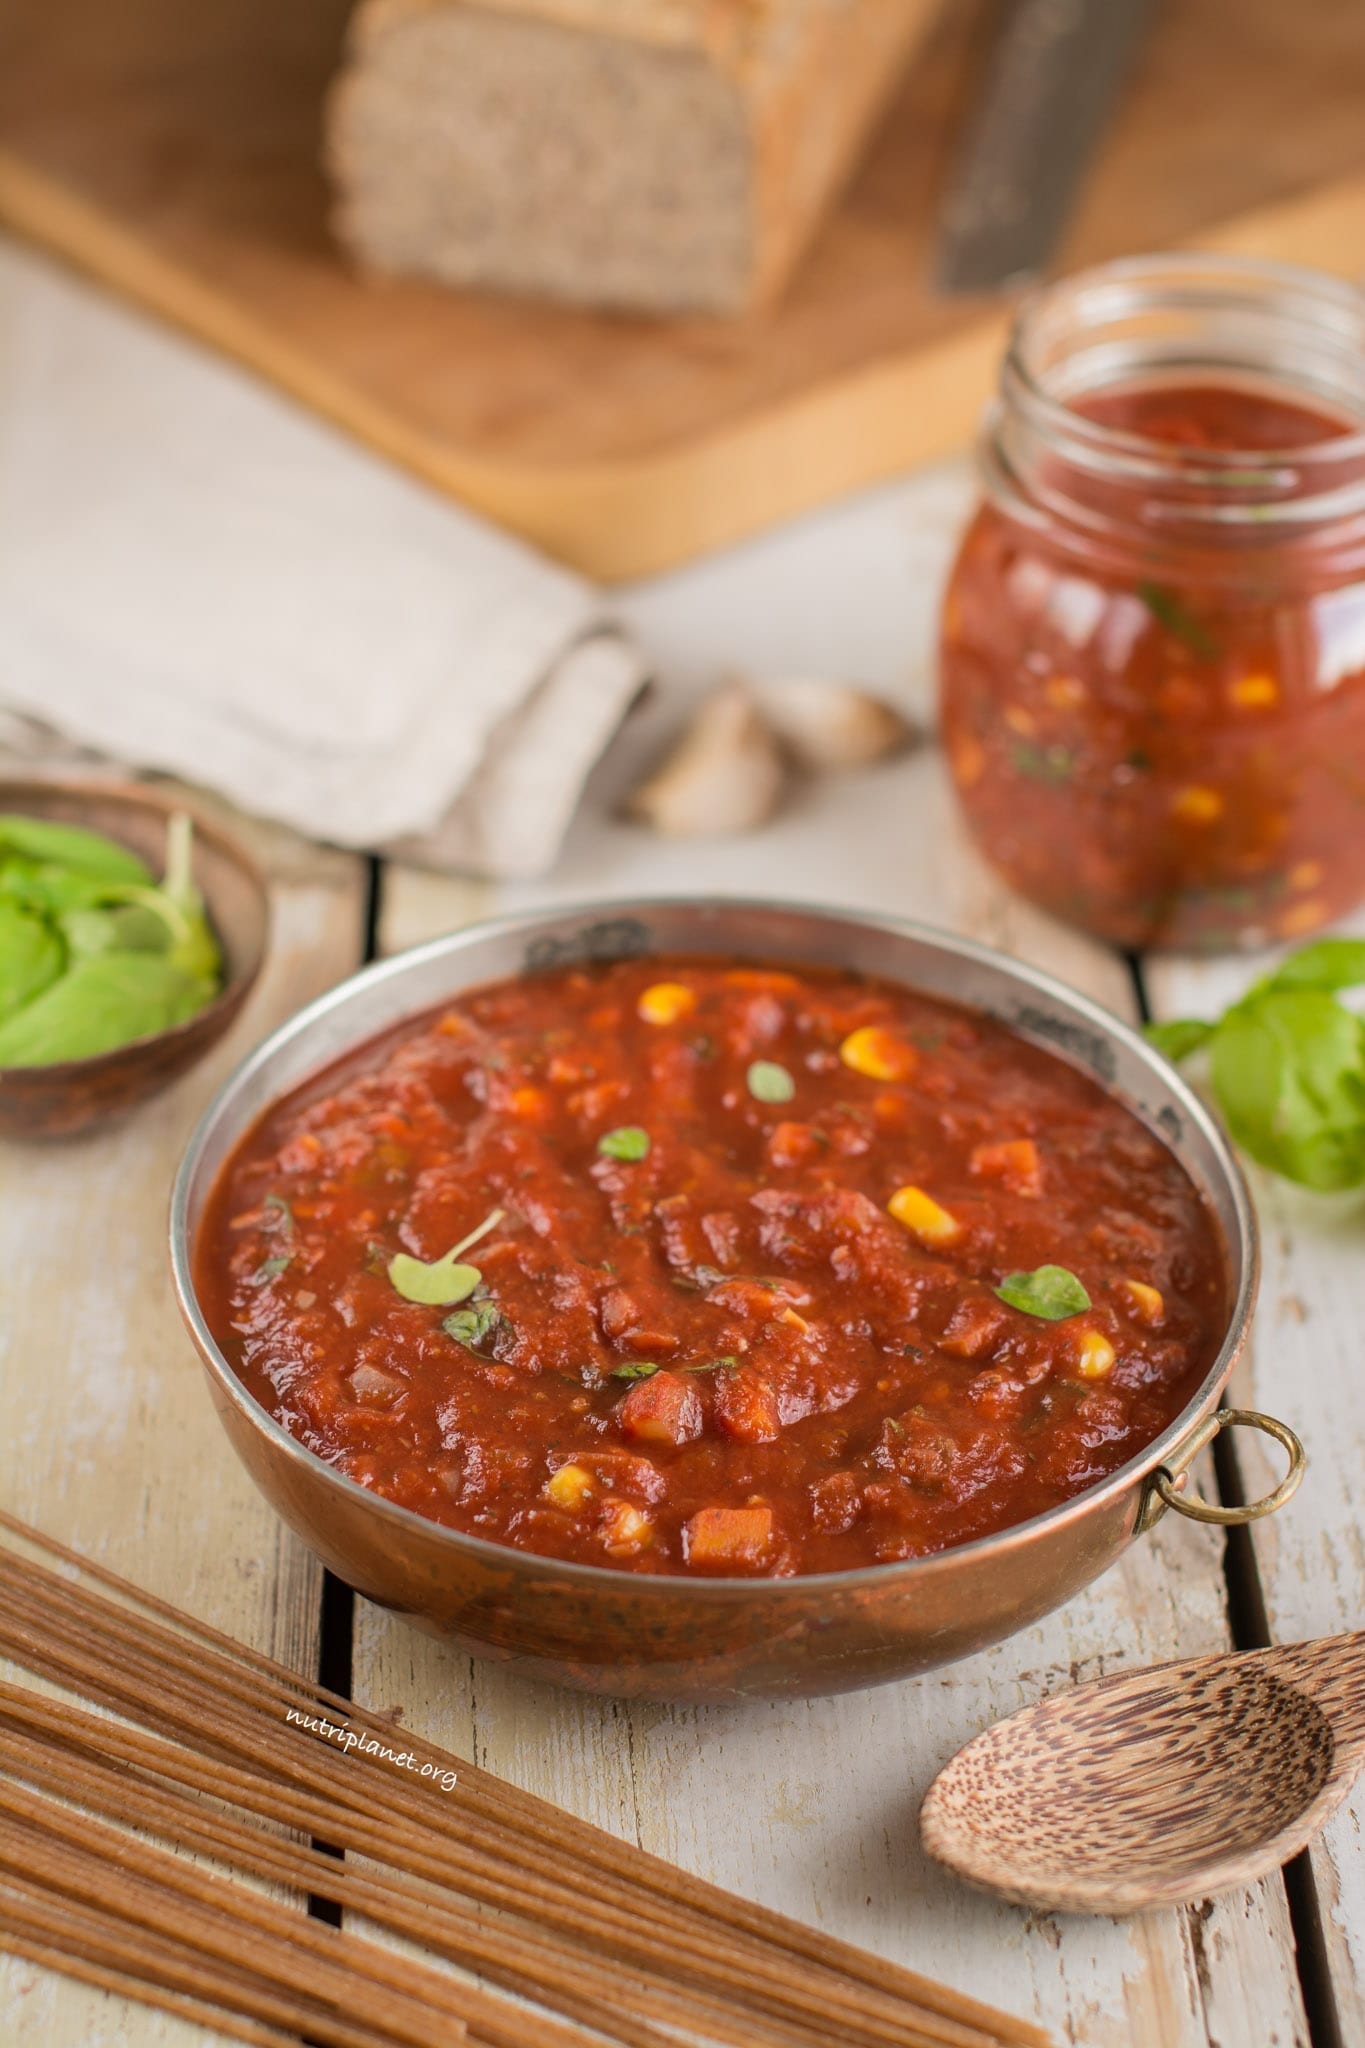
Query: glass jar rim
x=1189 y=279
x=1188 y=318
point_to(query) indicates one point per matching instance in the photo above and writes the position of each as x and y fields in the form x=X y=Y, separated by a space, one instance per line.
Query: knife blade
x=1052 y=78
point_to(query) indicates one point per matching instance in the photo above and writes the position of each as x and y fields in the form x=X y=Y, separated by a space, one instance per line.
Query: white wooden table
x=107 y=1438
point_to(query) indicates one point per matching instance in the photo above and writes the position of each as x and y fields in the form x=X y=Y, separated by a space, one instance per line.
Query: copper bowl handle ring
x=1168 y=1485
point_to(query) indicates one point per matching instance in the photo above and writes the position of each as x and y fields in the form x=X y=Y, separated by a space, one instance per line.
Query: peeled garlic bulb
x=828 y=726
x=724 y=775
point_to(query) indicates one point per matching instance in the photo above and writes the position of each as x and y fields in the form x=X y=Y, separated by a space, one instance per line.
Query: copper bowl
x=715 y=1639
x=69 y=1096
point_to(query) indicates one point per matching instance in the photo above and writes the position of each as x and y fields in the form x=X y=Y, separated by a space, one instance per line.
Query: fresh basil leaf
x=629 y=1141
x=1288 y=1068
x=1327 y=964
x=440 y=1283
x=31 y=958
x=270 y=1269
x=88 y=931
x=473 y=1326
x=1179 y=1038
x=195 y=947
x=51 y=890
x=1174 y=615
x=769 y=1082
x=70 y=846
x=1049 y=1292
x=102 y=1001
x=434 y=1285
x=640 y=1369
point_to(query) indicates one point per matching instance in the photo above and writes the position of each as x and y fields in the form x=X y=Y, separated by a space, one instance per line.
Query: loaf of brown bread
x=664 y=155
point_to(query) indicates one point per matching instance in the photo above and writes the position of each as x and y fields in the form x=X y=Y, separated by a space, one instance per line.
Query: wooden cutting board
x=172 y=150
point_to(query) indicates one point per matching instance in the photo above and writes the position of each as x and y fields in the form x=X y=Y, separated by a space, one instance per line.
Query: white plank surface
x=109 y=1441
x=1307 y=1366
x=108 y=1438
x=811 y=1806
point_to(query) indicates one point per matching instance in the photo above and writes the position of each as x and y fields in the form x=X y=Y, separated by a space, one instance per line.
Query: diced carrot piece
x=746 y=1408
x=922 y=1215
x=753 y=1300
x=878 y=1054
x=664 y=1002
x=729 y=1536
x=1301 y=917
x=1197 y=804
x=1014 y=1161
x=969 y=762
x=664 y=1409
x=1256 y=692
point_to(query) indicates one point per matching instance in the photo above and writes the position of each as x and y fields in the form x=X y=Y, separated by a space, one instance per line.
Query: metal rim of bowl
x=1164 y=1452
x=238 y=982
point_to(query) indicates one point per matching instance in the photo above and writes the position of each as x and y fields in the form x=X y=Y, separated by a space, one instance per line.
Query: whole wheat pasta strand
x=824 y=2005
x=528 y=1821
x=750 y=1979
x=167 y=1968
x=71 y=1961
x=646 y=1870
x=76 y=1857
x=123 y=1794
x=737 y=1977
x=74 y=1749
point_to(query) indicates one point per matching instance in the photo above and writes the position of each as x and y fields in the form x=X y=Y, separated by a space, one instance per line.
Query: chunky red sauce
x=1163 y=740
x=736 y=1310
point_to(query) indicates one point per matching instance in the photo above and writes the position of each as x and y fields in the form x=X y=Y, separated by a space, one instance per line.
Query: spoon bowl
x=1159 y=1786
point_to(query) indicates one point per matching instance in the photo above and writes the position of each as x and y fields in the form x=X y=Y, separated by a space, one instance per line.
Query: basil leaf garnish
x=769 y=1082
x=629 y=1141
x=1049 y=1292
x=440 y=1283
x=473 y=1326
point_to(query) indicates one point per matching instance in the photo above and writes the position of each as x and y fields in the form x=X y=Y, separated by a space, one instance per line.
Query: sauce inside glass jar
x=1153 y=666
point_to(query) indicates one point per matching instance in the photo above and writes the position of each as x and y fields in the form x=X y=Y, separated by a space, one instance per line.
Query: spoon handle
x=1331 y=1671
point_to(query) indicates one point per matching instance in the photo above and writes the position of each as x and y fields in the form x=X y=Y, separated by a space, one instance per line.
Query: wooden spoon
x=1158 y=1786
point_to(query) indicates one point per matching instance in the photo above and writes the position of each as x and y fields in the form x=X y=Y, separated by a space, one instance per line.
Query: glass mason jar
x=1153 y=644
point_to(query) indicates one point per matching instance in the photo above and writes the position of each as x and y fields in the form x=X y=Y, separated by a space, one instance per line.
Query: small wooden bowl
x=70 y=1096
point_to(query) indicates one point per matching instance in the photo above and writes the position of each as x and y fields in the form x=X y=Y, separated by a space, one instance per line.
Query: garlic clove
x=725 y=774
x=831 y=726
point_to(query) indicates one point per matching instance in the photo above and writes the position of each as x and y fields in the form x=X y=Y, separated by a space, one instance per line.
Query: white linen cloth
x=198 y=577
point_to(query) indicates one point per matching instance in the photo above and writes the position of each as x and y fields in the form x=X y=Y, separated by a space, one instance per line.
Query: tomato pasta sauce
x=693 y=1266
x=1157 y=732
